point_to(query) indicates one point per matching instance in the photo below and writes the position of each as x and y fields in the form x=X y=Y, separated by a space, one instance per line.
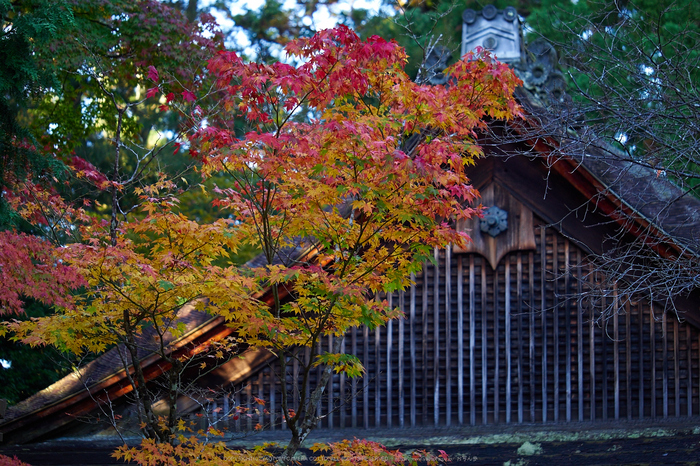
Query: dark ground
x=575 y=444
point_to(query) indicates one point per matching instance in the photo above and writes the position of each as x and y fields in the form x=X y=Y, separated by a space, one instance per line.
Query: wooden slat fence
x=511 y=345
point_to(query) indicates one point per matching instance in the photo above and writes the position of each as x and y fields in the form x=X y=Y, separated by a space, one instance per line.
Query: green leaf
x=166 y=285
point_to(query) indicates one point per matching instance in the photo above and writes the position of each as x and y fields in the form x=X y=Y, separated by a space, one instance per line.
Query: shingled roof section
x=674 y=210
x=101 y=369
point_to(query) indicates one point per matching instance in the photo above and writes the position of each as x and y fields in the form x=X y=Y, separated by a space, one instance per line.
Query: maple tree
x=344 y=188
x=345 y=185
x=7 y=461
x=351 y=175
x=364 y=452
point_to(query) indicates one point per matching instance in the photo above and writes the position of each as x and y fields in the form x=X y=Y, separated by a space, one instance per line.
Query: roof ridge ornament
x=495 y=30
x=540 y=73
x=500 y=32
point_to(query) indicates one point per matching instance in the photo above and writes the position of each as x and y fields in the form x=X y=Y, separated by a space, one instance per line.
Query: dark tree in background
x=633 y=70
x=75 y=124
x=26 y=32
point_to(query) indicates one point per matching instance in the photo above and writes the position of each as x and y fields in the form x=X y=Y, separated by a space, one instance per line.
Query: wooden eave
x=603 y=196
x=605 y=206
x=34 y=425
x=609 y=203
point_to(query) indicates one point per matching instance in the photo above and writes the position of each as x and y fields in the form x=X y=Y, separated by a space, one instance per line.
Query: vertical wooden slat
x=508 y=342
x=329 y=392
x=604 y=355
x=424 y=348
x=353 y=382
x=319 y=373
x=484 y=336
x=389 y=375
x=591 y=360
x=628 y=358
x=676 y=370
x=555 y=324
x=237 y=403
x=640 y=317
x=436 y=338
x=531 y=312
x=377 y=377
x=616 y=351
x=307 y=357
x=402 y=322
x=249 y=397
x=366 y=382
x=699 y=369
x=271 y=379
x=496 y=349
x=448 y=335
x=460 y=341
x=472 y=338
x=295 y=378
x=689 y=377
x=579 y=329
x=261 y=396
x=569 y=338
x=215 y=413
x=519 y=278
x=652 y=337
x=273 y=402
x=543 y=311
x=412 y=346
x=343 y=395
x=227 y=412
x=664 y=333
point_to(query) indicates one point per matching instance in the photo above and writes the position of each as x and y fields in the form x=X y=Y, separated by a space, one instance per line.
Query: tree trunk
x=310 y=418
x=191 y=11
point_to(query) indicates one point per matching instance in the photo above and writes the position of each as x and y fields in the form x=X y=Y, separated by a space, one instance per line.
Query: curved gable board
x=519 y=235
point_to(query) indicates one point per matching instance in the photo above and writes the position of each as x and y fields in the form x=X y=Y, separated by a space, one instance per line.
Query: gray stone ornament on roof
x=495 y=30
x=500 y=32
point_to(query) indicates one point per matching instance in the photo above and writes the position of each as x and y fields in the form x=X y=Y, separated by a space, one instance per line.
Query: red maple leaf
x=153 y=74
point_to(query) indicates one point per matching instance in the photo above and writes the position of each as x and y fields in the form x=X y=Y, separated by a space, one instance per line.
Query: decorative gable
x=518 y=234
